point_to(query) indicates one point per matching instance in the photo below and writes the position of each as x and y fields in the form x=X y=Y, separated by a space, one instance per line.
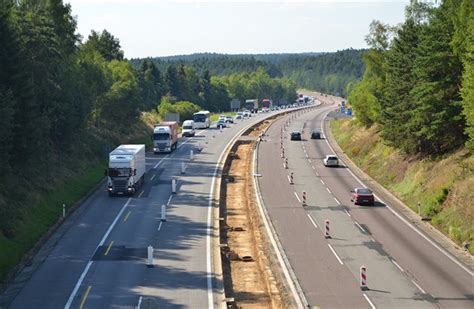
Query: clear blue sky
x=160 y=28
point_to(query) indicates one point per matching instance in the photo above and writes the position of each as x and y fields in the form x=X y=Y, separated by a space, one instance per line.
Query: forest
x=325 y=72
x=418 y=83
x=65 y=101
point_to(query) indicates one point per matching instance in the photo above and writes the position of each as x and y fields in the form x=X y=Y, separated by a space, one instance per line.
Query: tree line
x=418 y=82
x=63 y=97
x=325 y=72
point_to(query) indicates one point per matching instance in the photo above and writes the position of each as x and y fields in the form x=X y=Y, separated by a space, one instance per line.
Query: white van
x=188 y=128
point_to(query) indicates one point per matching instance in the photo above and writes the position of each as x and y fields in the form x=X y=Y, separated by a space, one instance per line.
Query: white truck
x=126 y=171
x=165 y=137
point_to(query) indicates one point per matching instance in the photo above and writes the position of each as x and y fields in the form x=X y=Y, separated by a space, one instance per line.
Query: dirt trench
x=252 y=275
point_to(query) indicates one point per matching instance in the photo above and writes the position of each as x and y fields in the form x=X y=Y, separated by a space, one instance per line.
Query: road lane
x=396 y=252
x=181 y=277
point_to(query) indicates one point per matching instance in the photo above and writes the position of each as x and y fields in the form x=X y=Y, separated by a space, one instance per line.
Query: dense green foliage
x=326 y=72
x=418 y=85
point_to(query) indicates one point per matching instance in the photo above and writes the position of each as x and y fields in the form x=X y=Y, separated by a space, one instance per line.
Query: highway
x=98 y=258
x=404 y=267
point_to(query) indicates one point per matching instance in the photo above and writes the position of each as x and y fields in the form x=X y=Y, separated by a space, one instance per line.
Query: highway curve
x=405 y=269
x=97 y=259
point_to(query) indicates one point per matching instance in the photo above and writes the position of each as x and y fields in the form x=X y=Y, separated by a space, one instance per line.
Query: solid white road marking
x=89 y=264
x=312 y=221
x=360 y=227
x=297 y=197
x=396 y=264
x=169 y=200
x=443 y=251
x=159 y=226
x=419 y=287
x=334 y=252
x=368 y=300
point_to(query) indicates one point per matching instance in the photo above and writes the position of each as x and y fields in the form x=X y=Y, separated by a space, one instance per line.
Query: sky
x=150 y=28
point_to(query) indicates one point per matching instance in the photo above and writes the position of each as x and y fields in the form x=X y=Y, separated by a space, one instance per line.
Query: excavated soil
x=250 y=279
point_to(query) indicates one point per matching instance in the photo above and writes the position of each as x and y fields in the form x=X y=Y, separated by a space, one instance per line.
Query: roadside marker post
x=64 y=210
x=326 y=230
x=291 y=178
x=163 y=213
x=304 y=199
x=191 y=155
x=183 y=168
x=149 y=260
x=283 y=152
x=286 y=163
x=363 y=278
x=173 y=185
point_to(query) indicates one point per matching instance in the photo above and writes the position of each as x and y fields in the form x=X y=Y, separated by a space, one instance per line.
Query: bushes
x=185 y=109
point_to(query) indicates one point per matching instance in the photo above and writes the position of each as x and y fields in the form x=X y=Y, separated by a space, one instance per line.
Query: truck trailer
x=165 y=137
x=126 y=171
x=251 y=105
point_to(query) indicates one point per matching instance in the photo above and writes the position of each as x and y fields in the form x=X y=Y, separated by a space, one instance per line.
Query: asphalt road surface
x=100 y=260
x=404 y=268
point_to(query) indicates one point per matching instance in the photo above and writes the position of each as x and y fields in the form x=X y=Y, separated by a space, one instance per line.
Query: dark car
x=315 y=135
x=295 y=136
x=362 y=196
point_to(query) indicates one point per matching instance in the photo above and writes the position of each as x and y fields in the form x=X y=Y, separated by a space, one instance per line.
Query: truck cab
x=165 y=137
x=126 y=169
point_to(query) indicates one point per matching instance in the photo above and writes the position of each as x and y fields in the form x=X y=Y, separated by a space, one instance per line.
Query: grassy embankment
x=38 y=201
x=215 y=117
x=443 y=186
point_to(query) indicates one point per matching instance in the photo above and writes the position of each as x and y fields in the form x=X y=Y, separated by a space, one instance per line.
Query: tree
x=106 y=44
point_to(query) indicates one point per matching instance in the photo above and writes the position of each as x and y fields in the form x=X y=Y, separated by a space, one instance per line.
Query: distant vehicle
x=221 y=117
x=295 y=136
x=265 y=110
x=267 y=103
x=239 y=115
x=251 y=105
x=229 y=119
x=126 y=171
x=295 y=105
x=202 y=120
x=362 y=196
x=315 y=135
x=247 y=113
x=331 y=160
x=221 y=123
x=165 y=137
x=188 y=128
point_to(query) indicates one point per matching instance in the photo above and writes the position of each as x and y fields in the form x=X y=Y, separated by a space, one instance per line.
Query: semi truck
x=165 y=137
x=126 y=171
x=267 y=103
x=251 y=105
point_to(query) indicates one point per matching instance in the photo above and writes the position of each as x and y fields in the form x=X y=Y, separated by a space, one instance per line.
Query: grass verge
x=441 y=187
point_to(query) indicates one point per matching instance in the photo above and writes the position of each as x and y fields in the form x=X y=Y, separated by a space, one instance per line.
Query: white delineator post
x=363 y=278
x=191 y=154
x=304 y=198
x=286 y=163
x=283 y=152
x=163 y=212
x=183 y=168
x=64 y=210
x=326 y=230
x=173 y=185
x=149 y=260
x=291 y=178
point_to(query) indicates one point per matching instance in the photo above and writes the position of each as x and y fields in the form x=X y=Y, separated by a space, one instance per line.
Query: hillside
x=442 y=186
x=325 y=72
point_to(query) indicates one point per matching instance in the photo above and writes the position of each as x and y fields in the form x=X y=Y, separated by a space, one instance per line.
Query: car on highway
x=221 y=123
x=239 y=115
x=295 y=136
x=247 y=113
x=222 y=117
x=188 y=128
x=229 y=119
x=362 y=196
x=331 y=160
x=315 y=134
